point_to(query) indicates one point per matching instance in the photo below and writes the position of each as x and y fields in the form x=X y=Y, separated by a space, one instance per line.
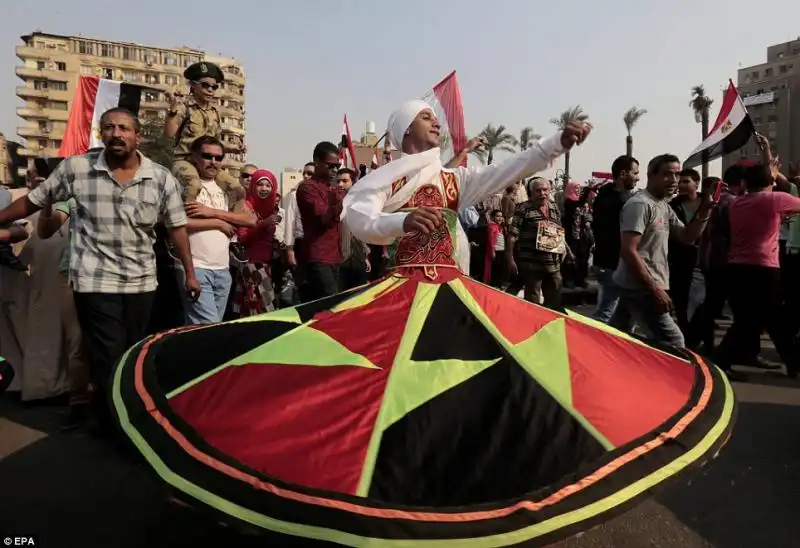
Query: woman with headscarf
x=423 y=408
x=254 y=289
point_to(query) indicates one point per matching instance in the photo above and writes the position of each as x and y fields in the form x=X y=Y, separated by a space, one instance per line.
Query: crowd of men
x=153 y=247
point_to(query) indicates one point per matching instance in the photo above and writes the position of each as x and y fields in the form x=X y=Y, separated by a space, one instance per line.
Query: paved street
x=73 y=491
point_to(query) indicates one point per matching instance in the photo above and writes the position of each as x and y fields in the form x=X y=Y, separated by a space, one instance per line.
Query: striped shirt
x=112 y=225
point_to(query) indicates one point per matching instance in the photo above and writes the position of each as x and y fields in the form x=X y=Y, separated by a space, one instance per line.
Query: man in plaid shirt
x=117 y=196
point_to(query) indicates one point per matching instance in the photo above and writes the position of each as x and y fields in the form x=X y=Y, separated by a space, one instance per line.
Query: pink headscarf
x=263 y=207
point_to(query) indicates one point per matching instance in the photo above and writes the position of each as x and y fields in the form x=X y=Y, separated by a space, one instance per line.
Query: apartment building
x=767 y=90
x=52 y=64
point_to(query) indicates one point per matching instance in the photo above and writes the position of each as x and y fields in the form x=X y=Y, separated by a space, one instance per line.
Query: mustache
x=116 y=142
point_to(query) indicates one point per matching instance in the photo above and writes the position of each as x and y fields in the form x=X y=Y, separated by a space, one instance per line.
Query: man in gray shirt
x=647 y=223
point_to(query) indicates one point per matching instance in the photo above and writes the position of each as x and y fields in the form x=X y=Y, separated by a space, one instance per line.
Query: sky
x=519 y=63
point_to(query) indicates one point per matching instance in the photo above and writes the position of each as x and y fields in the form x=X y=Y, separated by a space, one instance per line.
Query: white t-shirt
x=210 y=247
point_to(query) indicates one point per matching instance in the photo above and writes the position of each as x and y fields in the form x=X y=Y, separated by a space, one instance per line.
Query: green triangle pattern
x=547 y=359
x=283 y=315
x=415 y=383
x=303 y=346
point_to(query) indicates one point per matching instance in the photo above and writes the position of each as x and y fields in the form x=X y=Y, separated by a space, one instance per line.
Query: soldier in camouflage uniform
x=197 y=116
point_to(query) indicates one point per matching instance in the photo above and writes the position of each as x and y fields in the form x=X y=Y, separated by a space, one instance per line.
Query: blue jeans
x=639 y=306
x=215 y=287
x=609 y=295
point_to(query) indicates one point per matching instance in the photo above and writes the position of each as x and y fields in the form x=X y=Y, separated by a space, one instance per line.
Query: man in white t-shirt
x=211 y=226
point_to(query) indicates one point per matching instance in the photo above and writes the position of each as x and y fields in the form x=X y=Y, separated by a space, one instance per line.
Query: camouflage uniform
x=202 y=121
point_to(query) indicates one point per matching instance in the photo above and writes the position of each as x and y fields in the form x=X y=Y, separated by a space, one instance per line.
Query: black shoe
x=76 y=417
x=758 y=363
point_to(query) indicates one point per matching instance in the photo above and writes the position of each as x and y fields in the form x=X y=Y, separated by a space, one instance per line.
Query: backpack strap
x=182 y=127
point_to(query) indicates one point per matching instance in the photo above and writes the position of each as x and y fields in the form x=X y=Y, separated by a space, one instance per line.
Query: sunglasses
x=206 y=85
x=209 y=156
x=245 y=175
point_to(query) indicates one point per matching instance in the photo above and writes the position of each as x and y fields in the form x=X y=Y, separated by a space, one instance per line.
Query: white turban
x=401 y=120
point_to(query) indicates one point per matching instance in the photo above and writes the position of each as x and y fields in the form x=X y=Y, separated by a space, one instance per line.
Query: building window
x=86 y=70
x=169 y=59
x=171 y=80
x=40 y=84
x=57 y=105
x=151 y=78
x=754 y=75
x=58 y=86
x=61 y=66
x=108 y=73
x=129 y=75
x=768 y=72
x=42 y=125
x=106 y=50
x=85 y=48
x=126 y=53
x=150 y=96
x=782 y=69
x=40 y=65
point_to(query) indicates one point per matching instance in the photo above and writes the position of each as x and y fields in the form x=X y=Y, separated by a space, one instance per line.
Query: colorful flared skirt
x=407 y=413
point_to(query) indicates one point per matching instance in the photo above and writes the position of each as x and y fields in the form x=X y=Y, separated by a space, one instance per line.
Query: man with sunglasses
x=192 y=119
x=320 y=203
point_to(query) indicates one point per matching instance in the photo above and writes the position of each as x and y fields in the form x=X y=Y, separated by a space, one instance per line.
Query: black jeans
x=111 y=323
x=352 y=274
x=322 y=280
x=755 y=296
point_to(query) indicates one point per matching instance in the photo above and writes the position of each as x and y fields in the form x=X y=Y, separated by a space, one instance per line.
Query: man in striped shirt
x=117 y=196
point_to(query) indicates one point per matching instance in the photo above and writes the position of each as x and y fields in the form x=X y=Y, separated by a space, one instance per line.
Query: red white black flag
x=92 y=98
x=730 y=132
x=347 y=151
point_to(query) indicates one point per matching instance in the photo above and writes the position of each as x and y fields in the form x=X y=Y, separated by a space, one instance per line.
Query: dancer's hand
x=424 y=220
x=575 y=134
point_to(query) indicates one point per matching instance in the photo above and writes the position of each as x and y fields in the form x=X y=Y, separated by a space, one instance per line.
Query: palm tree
x=574 y=114
x=527 y=137
x=701 y=105
x=496 y=139
x=630 y=118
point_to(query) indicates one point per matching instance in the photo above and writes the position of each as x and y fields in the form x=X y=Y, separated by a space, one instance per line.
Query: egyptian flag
x=445 y=100
x=347 y=152
x=730 y=132
x=92 y=98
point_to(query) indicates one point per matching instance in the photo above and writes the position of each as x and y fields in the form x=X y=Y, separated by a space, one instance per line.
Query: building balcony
x=38 y=132
x=30 y=112
x=25 y=91
x=229 y=93
x=58 y=75
x=29 y=52
x=232 y=129
x=231 y=112
x=234 y=78
x=33 y=150
x=234 y=163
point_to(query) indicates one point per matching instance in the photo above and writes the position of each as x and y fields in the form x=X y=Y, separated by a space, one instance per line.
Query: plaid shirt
x=525 y=228
x=113 y=226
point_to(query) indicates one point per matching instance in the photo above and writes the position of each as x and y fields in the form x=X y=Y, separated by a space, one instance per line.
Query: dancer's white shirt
x=370 y=209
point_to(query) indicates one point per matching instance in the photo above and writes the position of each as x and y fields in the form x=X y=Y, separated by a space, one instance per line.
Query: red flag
x=445 y=99
x=347 y=151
